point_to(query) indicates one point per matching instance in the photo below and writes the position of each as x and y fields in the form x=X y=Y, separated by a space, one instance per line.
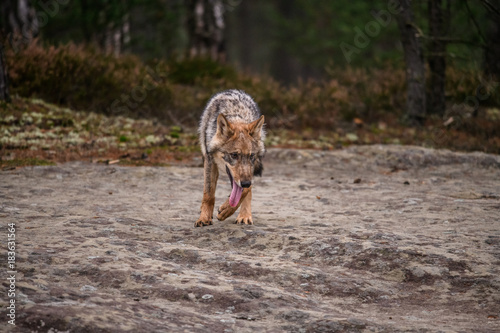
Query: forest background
x=325 y=73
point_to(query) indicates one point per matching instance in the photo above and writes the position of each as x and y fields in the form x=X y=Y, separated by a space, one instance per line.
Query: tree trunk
x=20 y=22
x=87 y=34
x=246 y=40
x=283 y=65
x=492 y=51
x=106 y=25
x=206 y=25
x=4 y=82
x=438 y=28
x=415 y=70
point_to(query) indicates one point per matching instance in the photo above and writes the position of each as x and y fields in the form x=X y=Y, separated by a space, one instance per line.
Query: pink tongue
x=235 y=195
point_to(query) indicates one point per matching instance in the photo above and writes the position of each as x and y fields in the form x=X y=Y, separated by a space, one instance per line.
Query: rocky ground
x=365 y=239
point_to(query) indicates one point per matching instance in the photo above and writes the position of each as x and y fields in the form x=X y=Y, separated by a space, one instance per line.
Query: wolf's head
x=240 y=147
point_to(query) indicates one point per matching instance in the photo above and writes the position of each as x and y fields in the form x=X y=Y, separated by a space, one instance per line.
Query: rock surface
x=365 y=239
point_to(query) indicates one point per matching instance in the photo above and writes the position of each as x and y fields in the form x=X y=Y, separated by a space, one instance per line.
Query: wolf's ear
x=255 y=127
x=224 y=127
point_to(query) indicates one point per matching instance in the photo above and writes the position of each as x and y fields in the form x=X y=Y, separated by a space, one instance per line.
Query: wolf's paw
x=225 y=210
x=201 y=223
x=244 y=220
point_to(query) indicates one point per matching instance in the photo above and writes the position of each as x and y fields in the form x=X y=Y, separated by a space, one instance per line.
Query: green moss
x=176 y=91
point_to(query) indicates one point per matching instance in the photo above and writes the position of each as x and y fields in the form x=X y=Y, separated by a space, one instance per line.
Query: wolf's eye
x=252 y=157
x=234 y=156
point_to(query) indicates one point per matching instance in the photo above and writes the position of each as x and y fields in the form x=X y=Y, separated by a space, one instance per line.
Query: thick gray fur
x=236 y=105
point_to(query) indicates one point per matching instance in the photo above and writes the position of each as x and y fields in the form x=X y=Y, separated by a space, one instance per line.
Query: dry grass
x=130 y=107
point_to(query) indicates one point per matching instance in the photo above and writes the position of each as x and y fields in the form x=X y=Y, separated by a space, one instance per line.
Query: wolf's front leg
x=226 y=210
x=245 y=215
x=208 y=201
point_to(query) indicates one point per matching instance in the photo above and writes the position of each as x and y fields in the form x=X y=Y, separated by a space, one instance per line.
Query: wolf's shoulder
x=234 y=97
x=231 y=94
x=236 y=105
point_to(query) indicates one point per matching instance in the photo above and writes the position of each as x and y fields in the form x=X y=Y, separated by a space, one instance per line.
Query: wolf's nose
x=246 y=184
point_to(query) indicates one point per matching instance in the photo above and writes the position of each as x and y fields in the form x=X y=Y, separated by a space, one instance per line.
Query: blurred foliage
x=156 y=26
x=33 y=132
x=176 y=91
x=310 y=95
x=192 y=70
x=305 y=36
x=82 y=78
x=286 y=39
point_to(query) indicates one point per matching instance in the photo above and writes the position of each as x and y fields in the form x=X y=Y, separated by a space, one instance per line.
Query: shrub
x=175 y=92
x=71 y=75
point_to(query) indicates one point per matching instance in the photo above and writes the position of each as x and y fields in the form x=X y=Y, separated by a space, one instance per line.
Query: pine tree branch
x=474 y=21
x=490 y=7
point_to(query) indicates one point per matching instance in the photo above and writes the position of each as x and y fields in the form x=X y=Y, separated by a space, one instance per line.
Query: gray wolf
x=232 y=137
